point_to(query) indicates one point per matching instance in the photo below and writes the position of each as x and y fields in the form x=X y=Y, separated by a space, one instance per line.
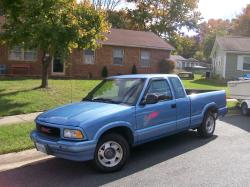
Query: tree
x=118 y=19
x=105 y=4
x=185 y=46
x=241 y=25
x=52 y=27
x=208 y=32
x=166 y=66
x=164 y=17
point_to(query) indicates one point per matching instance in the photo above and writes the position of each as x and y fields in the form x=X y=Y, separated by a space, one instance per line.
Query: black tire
x=118 y=140
x=207 y=130
x=244 y=109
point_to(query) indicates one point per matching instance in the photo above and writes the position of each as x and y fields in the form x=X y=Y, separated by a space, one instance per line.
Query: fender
x=207 y=106
x=110 y=126
x=197 y=119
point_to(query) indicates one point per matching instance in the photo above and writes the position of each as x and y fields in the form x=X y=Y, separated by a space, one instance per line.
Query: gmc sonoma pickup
x=123 y=112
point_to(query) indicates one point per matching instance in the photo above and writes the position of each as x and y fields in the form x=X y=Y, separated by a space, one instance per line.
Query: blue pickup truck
x=123 y=112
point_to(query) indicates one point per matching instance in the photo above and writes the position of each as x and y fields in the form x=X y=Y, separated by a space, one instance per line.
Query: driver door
x=156 y=120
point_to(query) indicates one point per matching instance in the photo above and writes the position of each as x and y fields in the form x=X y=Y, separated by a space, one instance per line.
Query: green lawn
x=18 y=96
x=206 y=84
x=15 y=137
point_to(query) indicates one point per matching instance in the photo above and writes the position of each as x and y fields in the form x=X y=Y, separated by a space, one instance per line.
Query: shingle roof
x=130 y=38
x=177 y=57
x=234 y=43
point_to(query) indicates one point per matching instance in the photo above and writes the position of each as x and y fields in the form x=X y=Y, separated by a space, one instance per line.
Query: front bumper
x=71 y=150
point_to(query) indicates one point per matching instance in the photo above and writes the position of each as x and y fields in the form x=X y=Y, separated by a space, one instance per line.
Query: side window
x=178 y=88
x=160 y=88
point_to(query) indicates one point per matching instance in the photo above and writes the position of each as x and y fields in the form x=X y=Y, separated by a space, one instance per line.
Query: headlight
x=70 y=133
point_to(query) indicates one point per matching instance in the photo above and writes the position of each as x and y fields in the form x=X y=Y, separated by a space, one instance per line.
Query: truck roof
x=143 y=76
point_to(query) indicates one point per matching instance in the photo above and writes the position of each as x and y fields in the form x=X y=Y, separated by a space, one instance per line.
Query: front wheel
x=111 y=153
x=206 y=130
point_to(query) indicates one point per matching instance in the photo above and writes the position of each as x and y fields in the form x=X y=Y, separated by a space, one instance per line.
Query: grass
x=18 y=96
x=15 y=137
x=206 y=84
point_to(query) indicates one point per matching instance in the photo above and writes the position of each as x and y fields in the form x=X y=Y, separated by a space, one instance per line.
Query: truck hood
x=78 y=113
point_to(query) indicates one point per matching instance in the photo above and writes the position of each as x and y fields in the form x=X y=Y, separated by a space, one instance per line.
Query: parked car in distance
x=244 y=77
x=123 y=112
x=186 y=75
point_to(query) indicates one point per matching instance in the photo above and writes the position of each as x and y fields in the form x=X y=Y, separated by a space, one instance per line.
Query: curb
x=19 y=159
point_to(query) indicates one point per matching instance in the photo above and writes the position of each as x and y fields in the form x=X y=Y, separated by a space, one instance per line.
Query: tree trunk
x=45 y=71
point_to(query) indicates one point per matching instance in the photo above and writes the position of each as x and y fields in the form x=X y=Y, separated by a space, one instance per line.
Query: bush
x=134 y=70
x=166 y=66
x=104 y=72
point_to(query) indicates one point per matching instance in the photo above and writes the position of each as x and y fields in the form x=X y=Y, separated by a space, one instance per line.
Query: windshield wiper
x=105 y=100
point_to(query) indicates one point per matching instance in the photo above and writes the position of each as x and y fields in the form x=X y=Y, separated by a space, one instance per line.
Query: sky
x=224 y=9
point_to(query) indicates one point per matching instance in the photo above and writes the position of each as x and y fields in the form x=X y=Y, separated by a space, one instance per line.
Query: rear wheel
x=111 y=153
x=244 y=109
x=206 y=129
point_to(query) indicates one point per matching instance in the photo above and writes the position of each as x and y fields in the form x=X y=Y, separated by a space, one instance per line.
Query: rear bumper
x=71 y=150
x=222 y=111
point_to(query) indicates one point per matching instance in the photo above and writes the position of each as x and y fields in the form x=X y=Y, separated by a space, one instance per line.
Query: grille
x=48 y=131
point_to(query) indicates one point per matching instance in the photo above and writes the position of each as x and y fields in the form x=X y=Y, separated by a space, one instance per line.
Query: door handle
x=173 y=106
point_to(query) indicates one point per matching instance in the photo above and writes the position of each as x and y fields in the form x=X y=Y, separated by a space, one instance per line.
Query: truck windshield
x=117 y=91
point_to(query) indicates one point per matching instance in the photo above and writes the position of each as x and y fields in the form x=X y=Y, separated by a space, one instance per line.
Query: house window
x=21 y=54
x=118 y=55
x=145 y=59
x=89 y=56
x=246 y=63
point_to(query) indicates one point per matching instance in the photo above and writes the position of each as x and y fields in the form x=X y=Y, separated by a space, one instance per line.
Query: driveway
x=179 y=160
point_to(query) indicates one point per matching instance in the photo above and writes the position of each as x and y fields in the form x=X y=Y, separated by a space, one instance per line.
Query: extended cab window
x=178 y=88
x=160 y=88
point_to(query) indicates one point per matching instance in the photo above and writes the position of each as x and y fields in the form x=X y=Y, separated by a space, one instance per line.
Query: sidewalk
x=15 y=160
x=6 y=120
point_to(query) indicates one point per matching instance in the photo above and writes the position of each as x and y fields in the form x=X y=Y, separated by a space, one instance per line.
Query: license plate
x=41 y=147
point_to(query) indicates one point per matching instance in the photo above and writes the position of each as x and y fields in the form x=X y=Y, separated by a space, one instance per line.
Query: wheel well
x=244 y=103
x=124 y=131
x=213 y=110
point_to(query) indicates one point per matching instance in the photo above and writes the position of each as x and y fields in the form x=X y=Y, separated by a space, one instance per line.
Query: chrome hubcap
x=110 y=154
x=210 y=124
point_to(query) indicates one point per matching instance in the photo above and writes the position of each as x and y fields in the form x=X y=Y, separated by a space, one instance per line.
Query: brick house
x=121 y=50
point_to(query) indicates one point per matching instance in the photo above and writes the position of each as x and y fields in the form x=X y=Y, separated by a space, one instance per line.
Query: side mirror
x=150 y=99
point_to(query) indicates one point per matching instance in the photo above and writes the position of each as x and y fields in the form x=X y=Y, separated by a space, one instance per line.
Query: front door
x=57 y=66
x=156 y=120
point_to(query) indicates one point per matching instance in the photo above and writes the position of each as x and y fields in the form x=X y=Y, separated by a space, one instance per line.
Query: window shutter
x=240 y=63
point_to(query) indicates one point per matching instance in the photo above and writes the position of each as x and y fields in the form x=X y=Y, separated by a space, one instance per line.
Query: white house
x=231 y=56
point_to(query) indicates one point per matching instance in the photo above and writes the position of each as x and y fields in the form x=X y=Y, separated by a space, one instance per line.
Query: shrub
x=104 y=72
x=166 y=66
x=134 y=70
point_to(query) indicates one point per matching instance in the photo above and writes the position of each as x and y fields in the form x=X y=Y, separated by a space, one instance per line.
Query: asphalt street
x=179 y=160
